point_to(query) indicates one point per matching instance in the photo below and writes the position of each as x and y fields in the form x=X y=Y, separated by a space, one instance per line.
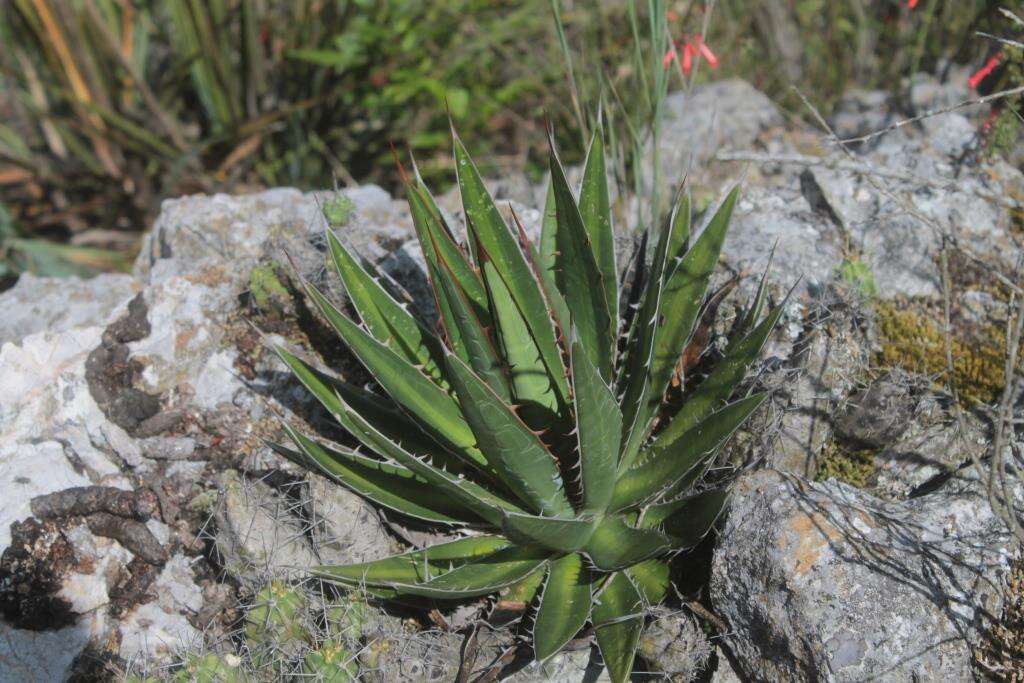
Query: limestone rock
x=722 y=114
x=58 y=304
x=824 y=581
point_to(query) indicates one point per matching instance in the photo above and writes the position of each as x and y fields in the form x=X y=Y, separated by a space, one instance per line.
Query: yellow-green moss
x=265 y=287
x=912 y=337
x=848 y=465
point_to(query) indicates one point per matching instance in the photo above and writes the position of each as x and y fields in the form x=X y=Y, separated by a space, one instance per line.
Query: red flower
x=911 y=4
x=693 y=48
x=981 y=74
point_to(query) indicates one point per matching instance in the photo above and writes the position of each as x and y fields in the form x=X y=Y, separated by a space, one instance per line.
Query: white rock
x=58 y=304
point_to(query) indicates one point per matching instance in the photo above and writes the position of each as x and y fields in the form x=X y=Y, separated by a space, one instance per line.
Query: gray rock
x=878 y=414
x=158 y=630
x=167 y=447
x=58 y=304
x=809 y=247
x=40 y=656
x=722 y=114
x=807 y=379
x=935 y=443
x=193 y=233
x=822 y=581
x=898 y=223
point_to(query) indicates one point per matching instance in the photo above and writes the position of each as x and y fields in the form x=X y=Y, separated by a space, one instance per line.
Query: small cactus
x=332 y=662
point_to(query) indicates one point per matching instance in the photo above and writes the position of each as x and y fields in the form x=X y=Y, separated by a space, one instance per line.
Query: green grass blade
x=554 y=533
x=598 y=431
x=387 y=320
x=564 y=606
x=392 y=486
x=578 y=276
x=416 y=566
x=618 y=619
x=616 y=545
x=493 y=236
x=518 y=456
x=664 y=467
x=595 y=209
x=410 y=388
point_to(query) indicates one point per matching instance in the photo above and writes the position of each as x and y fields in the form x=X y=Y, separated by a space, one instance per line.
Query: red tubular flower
x=693 y=48
x=981 y=74
x=911 y=4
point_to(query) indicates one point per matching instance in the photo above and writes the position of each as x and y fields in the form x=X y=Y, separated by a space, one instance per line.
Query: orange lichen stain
x=182 y=339
x=813 y=532
x=211 y=276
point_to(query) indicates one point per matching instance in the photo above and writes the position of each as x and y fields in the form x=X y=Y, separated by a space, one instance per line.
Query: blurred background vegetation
x=109 y=106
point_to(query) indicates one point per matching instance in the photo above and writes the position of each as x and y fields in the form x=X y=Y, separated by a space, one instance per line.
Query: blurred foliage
x=825 y=47
x=108 y=106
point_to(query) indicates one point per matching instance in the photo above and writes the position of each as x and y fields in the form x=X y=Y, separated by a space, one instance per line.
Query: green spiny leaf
x=403 y=382
x=599 y=431
x=469 y=494
x=386 y=319
x=481 y=576
x=554 y=533
x=595 y=209
x=652 y=577
x=664 y=467
x=392 y=486
x=616 y=545
x=520 y=458
x=439 y=247
x=420 y=565
x=579 y=278
x=716 y=388
x=493 y=236
x=678 y=309
x=475 y=344
x=564 y=606
x=618 y=619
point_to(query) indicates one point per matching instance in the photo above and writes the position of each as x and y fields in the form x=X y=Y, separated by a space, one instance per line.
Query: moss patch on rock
x=911 y=332
x=852 y=466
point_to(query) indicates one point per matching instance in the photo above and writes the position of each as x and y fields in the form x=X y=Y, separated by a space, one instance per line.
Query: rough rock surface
x=729 y=113
x=824 y=581
x=37 y=304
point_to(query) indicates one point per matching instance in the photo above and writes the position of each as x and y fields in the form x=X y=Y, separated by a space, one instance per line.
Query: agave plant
x=535 y=417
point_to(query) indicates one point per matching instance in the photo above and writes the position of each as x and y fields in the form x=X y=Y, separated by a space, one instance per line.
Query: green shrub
x=535 y=419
